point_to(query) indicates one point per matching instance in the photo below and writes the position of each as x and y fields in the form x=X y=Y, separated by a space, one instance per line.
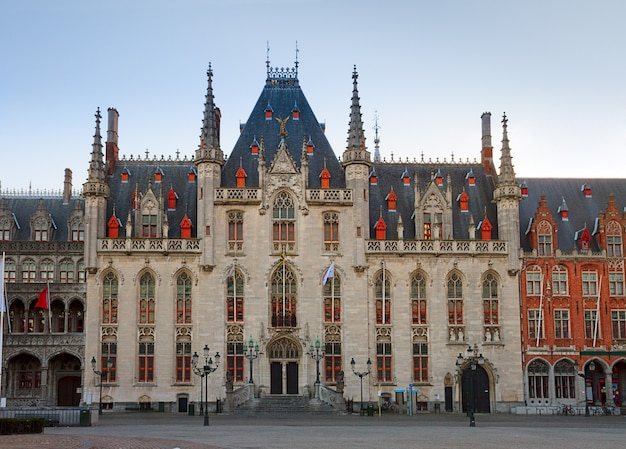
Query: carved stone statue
x=229 y=381
x=340 y=382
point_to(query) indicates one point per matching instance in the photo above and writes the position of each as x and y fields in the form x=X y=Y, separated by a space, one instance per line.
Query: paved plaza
x=433 y=431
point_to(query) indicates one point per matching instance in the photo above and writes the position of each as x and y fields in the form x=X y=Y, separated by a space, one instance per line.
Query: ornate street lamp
x=473 y=361
x=251 y=352
x=102 y=373
x=317 y=354
x=204 y=371
x=361 y=375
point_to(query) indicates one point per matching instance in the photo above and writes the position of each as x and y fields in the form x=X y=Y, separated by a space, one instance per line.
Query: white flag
x=329 y=273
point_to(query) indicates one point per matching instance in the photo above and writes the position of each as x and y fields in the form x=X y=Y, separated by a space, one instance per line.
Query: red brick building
x=573 y=305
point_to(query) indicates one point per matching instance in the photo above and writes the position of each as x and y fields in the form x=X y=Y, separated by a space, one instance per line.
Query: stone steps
x=284 y=404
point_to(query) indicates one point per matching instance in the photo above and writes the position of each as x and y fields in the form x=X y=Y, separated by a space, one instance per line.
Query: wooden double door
x=284 y=378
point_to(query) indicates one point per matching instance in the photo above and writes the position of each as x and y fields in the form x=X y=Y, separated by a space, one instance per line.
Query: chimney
x=486 y=154
x=112 y=149
x=67 y=186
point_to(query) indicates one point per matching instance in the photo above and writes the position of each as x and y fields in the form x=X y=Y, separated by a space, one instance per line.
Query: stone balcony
x=437 y=247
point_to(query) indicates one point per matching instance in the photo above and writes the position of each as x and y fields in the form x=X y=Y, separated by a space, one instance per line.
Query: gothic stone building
x=412 y=265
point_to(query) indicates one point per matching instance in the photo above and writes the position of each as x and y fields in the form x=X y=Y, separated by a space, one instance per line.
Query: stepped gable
x=582 y=211
x=390 y=174
x=141 y=172
x=282 y=94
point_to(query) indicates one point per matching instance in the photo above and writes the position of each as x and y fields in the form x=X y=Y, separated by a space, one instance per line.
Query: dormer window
x=373 y=178
x=563 y=211
x=191 y=176
x=524 y=189
x=325 y=178
x=158 y=176
x=463 y=200
x=295 y=112
x=391 y=201
x=254 y=147
x=41 y=231
x=485 y=229
x=471 y=179
x=438 y=178
x=185 y=228
x=544 y=239
x=586 y=189
x=113 y=226
x=406 y=179
x=584 y=239
x=381 y=229
x=268 y=112
x=310 y=147
x=125 y=175
x=241 y=177
x=172 y=198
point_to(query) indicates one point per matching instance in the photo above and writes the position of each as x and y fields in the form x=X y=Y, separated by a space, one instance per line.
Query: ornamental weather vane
x=282 y=76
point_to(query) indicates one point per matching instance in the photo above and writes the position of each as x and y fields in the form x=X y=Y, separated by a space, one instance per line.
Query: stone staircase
x=282 y=405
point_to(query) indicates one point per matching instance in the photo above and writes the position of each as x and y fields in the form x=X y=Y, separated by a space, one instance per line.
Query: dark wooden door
x=292 y=378
x=476 y=390
x=67 y=391
x=182 y=404
x=448 y=394
x=276 y=373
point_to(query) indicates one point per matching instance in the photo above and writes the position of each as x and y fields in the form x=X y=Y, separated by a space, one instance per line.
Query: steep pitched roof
x=282 y=94
x=582 y=211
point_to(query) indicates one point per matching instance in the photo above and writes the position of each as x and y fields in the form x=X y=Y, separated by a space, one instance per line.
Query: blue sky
x=428 y=68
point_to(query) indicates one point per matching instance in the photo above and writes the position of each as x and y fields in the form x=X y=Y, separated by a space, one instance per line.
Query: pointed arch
x=147 y=299
x=283 y=222
x=419 y=296
x=331 y=294
x=110 y=290
x=283 y=296
x=235 y=296
x=184 y=285
x=382 y=295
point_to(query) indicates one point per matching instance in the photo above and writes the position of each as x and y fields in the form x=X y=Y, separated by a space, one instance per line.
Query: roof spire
x=210 y=133
x=356 y=150
x=296 y=63
x=507 y=173
x=96 y=165
x=376 y=139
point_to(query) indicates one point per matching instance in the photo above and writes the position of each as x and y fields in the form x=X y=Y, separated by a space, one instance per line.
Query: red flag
x=43 y=301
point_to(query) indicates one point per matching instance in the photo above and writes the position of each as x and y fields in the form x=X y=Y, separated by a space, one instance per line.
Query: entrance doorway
x=475 y=384
x=284 y=357
x=68 y=388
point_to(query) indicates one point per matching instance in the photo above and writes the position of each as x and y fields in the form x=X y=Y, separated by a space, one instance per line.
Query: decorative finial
x=297 y=50
x=504 y=120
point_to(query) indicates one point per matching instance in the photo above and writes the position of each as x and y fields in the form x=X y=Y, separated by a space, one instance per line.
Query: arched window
x=559 y=280
x=66 y=271
x=565 y=379
x=109 y=299
x=29 y=271
x=332 y=299
x=5 y=229
x=455 y=299
x=46 y=270
x=490 y=300
x=383 y=298
x=77 y=231
x=235 y=297
x=80 y=268
x=235 y=231
x=284 y=224
x=10 y=271
x=17 y=316
x=616 y=278
x=41 y=230
x=283 y=297
x=183 y=299
x=418 y=299
x=76 y=317
x=534 y=281
x=146 y=300
x=544 y=239
x=36 y=318
x=613 y=239
x=331 y=231
x=538 y=379
x=57 y=310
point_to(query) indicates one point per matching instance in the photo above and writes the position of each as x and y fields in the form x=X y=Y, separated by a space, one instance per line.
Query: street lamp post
x=251 y=352
x=361 y=375
x=102 y=373
x=317 y=354
x=473 y=361
x=204 y=371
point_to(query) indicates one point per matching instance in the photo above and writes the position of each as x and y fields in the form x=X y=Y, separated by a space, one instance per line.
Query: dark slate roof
x=175 y=176
x=282 y=98
x=582 y=211
x=390 y=174
x=24 y=207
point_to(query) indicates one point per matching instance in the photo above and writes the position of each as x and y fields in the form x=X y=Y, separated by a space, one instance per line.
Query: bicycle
x=567 y=410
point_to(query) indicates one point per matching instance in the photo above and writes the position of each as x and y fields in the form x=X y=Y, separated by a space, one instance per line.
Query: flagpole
x=540 y=317
x=595 y=327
